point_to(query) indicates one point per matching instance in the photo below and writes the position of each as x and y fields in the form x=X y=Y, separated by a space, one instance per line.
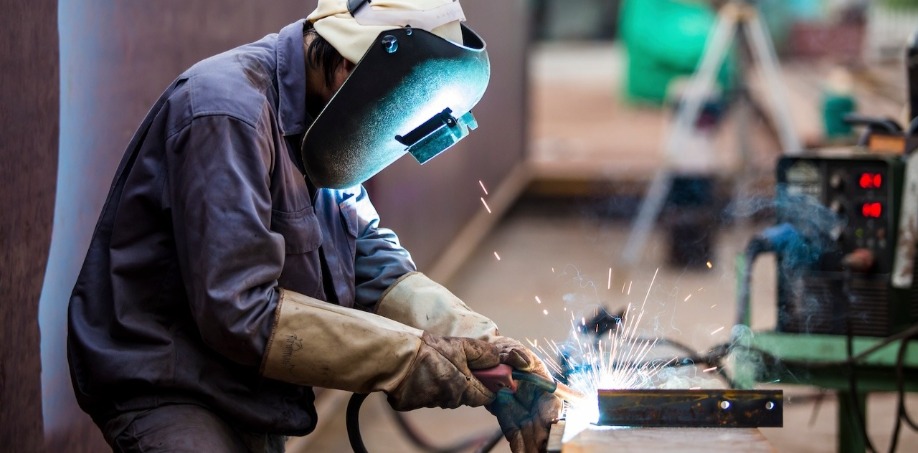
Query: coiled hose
x=482 y=443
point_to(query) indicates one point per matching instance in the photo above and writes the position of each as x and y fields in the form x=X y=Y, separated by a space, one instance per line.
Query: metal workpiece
x=691 y=408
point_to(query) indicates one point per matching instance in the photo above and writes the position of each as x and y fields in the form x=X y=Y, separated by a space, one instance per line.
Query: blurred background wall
x=28 y=145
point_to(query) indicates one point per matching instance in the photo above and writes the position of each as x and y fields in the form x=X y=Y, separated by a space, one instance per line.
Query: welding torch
x=504 y=377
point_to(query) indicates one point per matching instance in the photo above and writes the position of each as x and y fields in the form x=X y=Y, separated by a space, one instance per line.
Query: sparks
x=712 y=306
x=614 y=360
x=687 y=298
x=717 y=330
x=609 y=286
x=497 y=256
x=708 y=370
x=710 y=265
x=485 y=203
x=545 y=312
x=483 y=187
x=538 y=301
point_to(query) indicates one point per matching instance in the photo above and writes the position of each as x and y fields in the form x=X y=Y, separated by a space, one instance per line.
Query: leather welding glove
x=526 y=415
x=316 y=343
x=420 y=302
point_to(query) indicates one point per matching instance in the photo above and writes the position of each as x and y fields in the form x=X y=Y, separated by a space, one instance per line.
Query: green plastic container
x=834 y=108
x=664 y=39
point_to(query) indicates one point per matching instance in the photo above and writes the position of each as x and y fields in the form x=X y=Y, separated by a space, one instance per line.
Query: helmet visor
x=411 y=92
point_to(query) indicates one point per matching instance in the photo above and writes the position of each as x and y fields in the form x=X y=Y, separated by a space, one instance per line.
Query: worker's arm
x=525 y=415
x=420 y=302
x=380 y=260
x=217 y=192
x=319 y=344
x=231 y=260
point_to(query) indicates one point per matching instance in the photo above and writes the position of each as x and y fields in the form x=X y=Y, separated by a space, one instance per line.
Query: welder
x=238 y=261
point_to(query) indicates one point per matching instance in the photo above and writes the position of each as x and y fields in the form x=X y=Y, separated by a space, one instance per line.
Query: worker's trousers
x=184 y=428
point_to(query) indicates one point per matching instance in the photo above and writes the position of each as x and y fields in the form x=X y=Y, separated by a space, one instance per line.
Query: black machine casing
x=842 y=201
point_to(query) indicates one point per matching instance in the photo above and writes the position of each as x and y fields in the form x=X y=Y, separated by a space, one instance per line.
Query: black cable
x=852 y=384
x=744 y=292
x=721 y=351
x=680 y=346
x=886 y=341
x=714 y=358
x=420 y=442
x=901 y=411
x=911 y=331
x=819 y=398
x=491 y=442
x=900 y=381
x=352 y=420
x=860 y=415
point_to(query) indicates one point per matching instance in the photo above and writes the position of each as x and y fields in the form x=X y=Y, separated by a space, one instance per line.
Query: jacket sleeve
x=380 y=258
x=230 y=260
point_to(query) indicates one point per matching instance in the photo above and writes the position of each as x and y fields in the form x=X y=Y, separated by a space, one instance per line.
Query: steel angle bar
x=691 y=408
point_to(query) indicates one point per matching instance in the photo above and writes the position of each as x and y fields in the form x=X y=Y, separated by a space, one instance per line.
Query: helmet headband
x=428 y=20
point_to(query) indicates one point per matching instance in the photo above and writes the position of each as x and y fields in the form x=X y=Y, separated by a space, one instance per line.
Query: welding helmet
x=418 y=74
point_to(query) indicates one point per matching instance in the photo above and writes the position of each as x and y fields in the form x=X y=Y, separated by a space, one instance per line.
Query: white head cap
x=351 y=36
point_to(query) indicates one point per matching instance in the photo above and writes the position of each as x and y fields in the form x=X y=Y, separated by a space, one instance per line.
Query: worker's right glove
x=441 y=375
x=526 y=415
x=321 y=344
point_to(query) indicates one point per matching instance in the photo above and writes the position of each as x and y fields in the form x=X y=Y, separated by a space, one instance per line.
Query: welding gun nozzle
x=551 y=386
x=503 y=377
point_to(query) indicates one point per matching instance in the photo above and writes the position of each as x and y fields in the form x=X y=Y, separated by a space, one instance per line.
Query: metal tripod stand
x=734 y=17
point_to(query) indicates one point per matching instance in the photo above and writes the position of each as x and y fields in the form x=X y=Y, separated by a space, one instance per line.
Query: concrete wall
x=28 y=151
x=115 y=59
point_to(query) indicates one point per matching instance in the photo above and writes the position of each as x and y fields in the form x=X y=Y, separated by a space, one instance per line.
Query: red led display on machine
x=872 y=210
x=871 y=180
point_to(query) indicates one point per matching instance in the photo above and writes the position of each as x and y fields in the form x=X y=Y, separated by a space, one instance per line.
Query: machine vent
x=820 y=304
x=869 y=307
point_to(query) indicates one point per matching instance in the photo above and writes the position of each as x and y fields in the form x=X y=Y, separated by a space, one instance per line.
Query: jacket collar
x=291 y=80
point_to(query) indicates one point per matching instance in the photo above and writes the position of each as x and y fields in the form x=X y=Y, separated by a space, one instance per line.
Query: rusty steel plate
x=691 y=408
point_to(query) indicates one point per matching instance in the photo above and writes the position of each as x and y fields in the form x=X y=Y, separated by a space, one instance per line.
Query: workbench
x=814 y=360
x=596 y=439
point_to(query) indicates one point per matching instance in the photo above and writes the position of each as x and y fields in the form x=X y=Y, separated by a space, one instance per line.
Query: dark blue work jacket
x=208 y=215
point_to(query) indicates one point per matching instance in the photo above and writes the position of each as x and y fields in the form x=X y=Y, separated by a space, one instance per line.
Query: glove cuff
x=420 y=302
x=320 y=344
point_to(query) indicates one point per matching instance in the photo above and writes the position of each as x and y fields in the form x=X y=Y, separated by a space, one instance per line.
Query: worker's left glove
x=526 y=415
x=441 y=374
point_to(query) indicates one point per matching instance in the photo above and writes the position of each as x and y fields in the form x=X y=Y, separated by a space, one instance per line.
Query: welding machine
x=845 y=204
